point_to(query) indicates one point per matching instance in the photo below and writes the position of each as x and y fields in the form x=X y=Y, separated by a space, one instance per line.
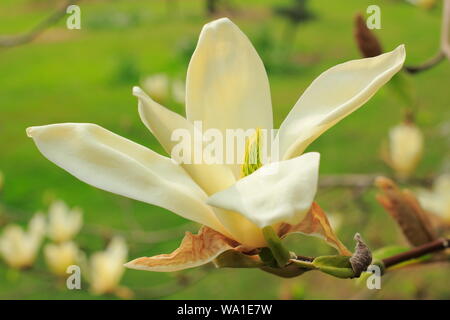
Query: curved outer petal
x=227 y=86
x=112 y=163
x=279 y=192
x=332 y=96
x=194 y=251
x=162 y=123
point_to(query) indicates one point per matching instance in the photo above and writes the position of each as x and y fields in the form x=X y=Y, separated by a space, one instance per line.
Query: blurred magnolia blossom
x=405 y=148
x=437 y=200
x=424 y=4
x=59 y=256
x=107 y=267
x=157 y=86
x=161 y=87
x=19 y=247
x=179 y=91
x=240 y=205
x=64 y=223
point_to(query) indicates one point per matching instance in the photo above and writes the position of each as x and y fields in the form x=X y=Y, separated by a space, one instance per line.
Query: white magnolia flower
x=178 y=91
x=437 y=200
x=19 y=247
x=157 y=85
x=59 y=256
x=425 y=4
x=405 y=148
x=64 y=223
x=106 y=267
x=226 y=88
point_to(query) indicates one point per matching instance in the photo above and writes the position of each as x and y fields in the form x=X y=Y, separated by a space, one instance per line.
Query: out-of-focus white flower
x=107 y=267
x=424 y=4
x=157 y=85
x=19 y=247
x=437 y=200
x=64 y=223
x=179 y=91
x=60 y=256
x=405 y=148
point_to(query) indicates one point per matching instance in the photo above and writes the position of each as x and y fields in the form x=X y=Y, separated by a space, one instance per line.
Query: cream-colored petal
x=332 y=96
x=279 y=192
x=163 y=123
x=112 y=163
x=227 y=85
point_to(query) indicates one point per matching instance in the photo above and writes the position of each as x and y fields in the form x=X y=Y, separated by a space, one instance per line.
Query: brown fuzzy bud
x=361 y=258
x=367 y=42
x=406 y=211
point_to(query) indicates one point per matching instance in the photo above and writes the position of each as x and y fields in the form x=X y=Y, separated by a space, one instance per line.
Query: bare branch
x=20 y=39
x=362 y=181
x=444 y=50
x=417 y=252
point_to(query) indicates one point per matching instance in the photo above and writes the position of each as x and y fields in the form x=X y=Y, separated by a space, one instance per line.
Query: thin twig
x=426 y=65
x=362 y=180
x=417 y=252
x=16 y=40
x=444 y=49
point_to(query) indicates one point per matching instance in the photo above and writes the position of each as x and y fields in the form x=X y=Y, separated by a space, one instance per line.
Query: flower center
x=252 y=157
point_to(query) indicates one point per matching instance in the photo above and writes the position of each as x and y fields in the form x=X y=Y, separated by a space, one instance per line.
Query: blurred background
x=86 y=75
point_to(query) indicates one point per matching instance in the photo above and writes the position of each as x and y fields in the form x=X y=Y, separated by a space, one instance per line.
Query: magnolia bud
x=367 y=42
x=405 y=148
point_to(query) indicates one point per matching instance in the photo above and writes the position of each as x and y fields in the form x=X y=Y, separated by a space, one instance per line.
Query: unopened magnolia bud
x=361 y=258
x=405 y=148
x=367 y=42
x=406 y=211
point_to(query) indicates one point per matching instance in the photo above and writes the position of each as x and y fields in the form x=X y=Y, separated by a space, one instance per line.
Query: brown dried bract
x=367 y=42
x=194 y=251
x=406 y=211
x=316 y=224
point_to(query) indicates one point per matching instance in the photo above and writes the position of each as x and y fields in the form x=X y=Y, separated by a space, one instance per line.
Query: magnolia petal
x=227 y=85
x=316 y=224
x=334 y=95
x=163 y=123
x=112 y=163
x=278 y=192
x=194 y=251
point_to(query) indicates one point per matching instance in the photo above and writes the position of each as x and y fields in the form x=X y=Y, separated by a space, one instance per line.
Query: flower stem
x=279 y=252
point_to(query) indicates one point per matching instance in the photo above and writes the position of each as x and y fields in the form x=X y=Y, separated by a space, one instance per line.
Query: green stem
x=279 y=252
